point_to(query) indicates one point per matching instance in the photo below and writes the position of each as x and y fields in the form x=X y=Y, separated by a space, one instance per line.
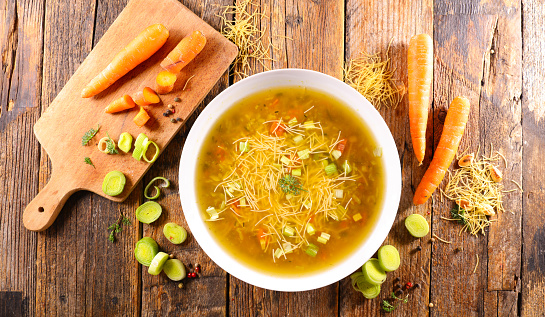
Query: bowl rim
x=207 y=119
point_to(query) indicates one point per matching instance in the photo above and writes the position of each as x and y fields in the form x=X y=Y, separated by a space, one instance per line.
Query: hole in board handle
x=41 y=209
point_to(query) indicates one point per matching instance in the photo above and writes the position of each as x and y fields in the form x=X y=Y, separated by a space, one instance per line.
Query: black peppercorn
x=173 y=120
x=177 y=99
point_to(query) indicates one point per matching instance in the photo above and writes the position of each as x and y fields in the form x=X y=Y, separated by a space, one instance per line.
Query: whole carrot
x=138 y=50
x=189 y=47
x=454 y=127
x=420 y=69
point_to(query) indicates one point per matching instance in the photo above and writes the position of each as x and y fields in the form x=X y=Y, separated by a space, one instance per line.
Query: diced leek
x=346 y=167
x=308 y=125
x=331 y=169
x=339 y=193
x=292 y=122
x=307 y=204
x=357 y=217
x=377 y=152
x=298 y=139
x=311 y=250
x=244 y=147
x=303 y=154
x=212 y=212
x=321 y=240
x=310 y=229
x=277 y=165
x=289 y=196
x=336 y=154
x=278 y=253
x=341 y=211
x=242 y=202
x=356 y=199
x=288 y=247
x=324 y=163
x=296 y=172
x=288 y=231
x=285 y=160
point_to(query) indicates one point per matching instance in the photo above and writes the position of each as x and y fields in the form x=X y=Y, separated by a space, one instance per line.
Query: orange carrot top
x=138 y=50
x=420 y=71
x=454 y=127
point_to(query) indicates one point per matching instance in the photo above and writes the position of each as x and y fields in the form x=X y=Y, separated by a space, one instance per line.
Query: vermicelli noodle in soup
x=290 y=181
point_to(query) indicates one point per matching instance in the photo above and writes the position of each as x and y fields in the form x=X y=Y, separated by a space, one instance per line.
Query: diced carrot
x=146 y=97
x=138 y=50
x=219 y=153
x=341 y=145
x=120 y=104
x=277 y=129
x=141 y=118
x=189 y=47
x=165 y=82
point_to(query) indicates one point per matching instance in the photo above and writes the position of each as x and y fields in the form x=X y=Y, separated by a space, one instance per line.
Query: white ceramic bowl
x=283 y=78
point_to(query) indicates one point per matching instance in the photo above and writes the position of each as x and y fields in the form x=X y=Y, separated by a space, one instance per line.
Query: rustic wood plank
x=500 y=115
x=290 y=25
x=205 y=295
x=21 y=42
x=79 y=271
x=533 y=177
x=371 y=26
x=464 y=66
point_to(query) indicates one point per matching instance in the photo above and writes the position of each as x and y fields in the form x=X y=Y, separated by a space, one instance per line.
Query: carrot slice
x=454 y=127
x=189 y=47
x=165 y=82
x=146 y=97
x=141 y=118
x=120 y=104
x=277 y=129
x=138 y=50
x=420 y=69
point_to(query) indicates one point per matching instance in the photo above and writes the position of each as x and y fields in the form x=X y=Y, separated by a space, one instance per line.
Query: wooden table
x=490 y=51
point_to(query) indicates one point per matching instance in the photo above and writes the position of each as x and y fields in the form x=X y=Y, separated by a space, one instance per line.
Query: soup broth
x=290 y=181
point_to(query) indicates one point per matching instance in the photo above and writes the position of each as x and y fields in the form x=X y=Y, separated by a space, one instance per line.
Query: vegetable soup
x=290 y=181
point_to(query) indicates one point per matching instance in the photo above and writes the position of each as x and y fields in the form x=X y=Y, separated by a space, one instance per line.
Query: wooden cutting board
x=60 y=128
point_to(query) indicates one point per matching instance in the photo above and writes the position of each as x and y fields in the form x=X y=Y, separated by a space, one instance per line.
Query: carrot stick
x=146 y=97
x=184 y=52
x=138 y=50
x=141 y=118
x=455 y=123
x=120 y=104
x=420 y=69
x=165 y=82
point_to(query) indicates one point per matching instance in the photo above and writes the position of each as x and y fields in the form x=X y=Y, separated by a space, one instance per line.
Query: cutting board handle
x=45 y=207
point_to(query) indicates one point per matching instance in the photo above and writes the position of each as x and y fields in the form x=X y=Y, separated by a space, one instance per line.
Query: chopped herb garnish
x=89 y=135
x=117 y=226
x=110 y=146
x=388 y=307
x=88 y=161
x=458 y=213
x=290 y=185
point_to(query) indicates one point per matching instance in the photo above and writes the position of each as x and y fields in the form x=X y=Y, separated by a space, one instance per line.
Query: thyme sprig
x=110 y=145
x=117 y=226
x=89 y=135
x=387 y=306
x=88 y=161
x=458 y=213
x=290 y=185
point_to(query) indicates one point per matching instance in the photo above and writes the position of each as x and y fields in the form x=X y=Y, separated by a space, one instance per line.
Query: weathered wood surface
x=489 y=51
